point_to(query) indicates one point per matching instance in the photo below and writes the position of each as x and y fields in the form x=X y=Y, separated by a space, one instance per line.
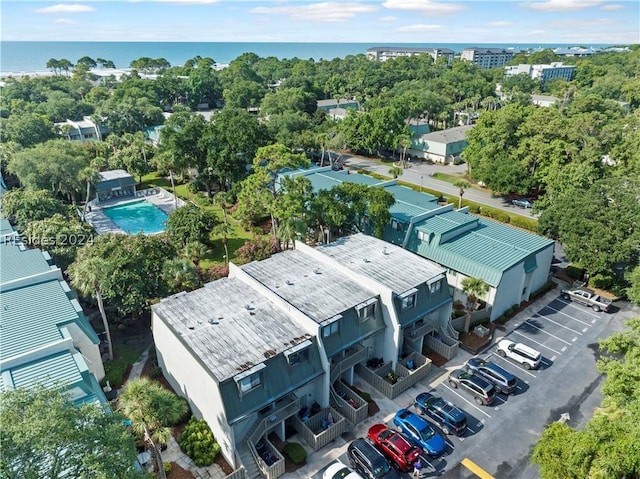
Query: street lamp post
x=420 y=183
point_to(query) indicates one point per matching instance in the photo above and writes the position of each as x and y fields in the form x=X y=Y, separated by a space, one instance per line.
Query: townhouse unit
x=544 y=73
x=514 y=263
x=444 y=146
x=276 y=345
x=385 y=53
x=338 y=108
x=487 y=57
x=46 y=338
x=83 y=130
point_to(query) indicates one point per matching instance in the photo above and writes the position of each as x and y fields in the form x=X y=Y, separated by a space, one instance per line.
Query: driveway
x=501 y=436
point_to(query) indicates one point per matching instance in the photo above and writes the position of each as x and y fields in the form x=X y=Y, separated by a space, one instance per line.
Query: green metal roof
x=59 y=368
x=325 y=178
x=31 y=317
x=485 y=252
x=18 y=263
x=445 y=222
x=410 y=203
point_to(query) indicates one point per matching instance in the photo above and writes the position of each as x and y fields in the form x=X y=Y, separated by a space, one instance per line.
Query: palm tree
x=152 y=409
x=223 y=199
x=194 y=251
x=179 y=274
x=87 y=276
x=404 y=142
x=461 y=185
x=473 y=288
x=395 y=171
x=91 y=176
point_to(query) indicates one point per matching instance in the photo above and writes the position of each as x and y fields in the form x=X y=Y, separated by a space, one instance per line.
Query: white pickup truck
x=587 y=297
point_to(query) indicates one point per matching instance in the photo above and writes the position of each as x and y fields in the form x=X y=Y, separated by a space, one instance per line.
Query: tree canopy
x=45 y=435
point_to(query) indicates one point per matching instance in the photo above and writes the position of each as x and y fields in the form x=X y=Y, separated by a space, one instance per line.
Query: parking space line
x=467 y=401
x=538 y=342
x=556 y=323
x=514 y=365
x=545 y=332
x=475 y=469
x=571 y=317
x=576 y=306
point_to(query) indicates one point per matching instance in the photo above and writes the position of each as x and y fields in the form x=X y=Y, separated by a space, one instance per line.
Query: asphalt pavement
x=500 y=437
x=420 y=173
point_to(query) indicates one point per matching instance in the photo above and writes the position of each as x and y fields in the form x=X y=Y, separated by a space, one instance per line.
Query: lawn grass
x=449 y=178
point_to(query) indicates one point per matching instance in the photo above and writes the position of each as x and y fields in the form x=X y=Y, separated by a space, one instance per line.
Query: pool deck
x=158 y=197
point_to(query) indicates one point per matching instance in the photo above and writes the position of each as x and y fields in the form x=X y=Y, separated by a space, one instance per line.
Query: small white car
x=338 y=470
x=528 y=357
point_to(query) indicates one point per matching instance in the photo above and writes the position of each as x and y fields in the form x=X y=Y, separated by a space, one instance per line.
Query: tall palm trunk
x=173 y=188
x=224 y=236
x=104 y=322
x=86 y=201
x=155 y=453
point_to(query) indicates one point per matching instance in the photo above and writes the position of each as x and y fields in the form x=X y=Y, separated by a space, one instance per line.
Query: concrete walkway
x=173 y=453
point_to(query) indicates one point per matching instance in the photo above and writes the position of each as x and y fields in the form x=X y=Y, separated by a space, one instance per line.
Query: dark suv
x=369 y=462
x=483 y=391
x=504 y=380
x=450 y=419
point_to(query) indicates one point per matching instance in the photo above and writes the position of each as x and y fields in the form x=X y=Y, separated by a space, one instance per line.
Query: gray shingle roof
x=229 y=325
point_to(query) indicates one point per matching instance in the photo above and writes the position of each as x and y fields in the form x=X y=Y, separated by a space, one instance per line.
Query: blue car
x=420 y=432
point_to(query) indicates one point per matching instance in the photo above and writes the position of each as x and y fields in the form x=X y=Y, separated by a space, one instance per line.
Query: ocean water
x=32 y=57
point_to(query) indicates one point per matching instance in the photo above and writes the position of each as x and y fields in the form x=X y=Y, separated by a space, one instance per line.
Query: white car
x=337 y=470
x=520 y=353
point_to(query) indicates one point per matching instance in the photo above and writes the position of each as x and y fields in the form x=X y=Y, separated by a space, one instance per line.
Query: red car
x=395 y=446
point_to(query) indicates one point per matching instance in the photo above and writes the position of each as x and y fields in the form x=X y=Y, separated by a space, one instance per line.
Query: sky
x=577 y=22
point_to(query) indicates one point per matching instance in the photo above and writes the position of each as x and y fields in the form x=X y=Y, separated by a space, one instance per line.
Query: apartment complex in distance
x=385 y=53
x=487 y=57
x=543 y=72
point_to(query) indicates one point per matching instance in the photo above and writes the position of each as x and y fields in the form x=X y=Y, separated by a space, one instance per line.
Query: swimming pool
x=137 y=217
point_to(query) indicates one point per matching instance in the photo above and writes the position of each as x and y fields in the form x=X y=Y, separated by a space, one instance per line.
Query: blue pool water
x=137 y=217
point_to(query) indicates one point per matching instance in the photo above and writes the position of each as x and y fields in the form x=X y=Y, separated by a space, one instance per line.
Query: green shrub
x=156 y=372
x=600 y=281
x=575 y=272
x=114 y=372
x=198 y=443
x=524 y=222
x=364 y=395
x=458 y=313
x=295 y=452
x=167 y=467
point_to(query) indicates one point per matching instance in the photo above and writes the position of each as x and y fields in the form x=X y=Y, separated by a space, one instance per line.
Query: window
x=409 y=301
x=453 y=272
x=331 y=329
x=248 y=383
x=367 y=309
x=298 y=353
x=435 y=287
x=422 y=236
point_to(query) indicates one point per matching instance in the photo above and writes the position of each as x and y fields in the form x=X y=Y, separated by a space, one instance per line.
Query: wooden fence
x=349 y=403
x=406 y=377
x=316 y=431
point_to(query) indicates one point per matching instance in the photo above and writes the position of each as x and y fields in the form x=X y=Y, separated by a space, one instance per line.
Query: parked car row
x=384 y=451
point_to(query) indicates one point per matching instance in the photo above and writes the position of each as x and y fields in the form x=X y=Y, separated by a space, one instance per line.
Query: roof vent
x=289 y=282
x=317 y=271
x=214 y=322
x=385 y=251
x=366 y=260
x=248 y=307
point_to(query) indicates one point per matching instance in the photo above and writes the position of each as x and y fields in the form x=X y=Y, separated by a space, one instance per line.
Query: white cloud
x=419 y=28
x=319 y=12
x=65 y=21
x=425 y=6
x=187 y=2
x=62 y=8
x=611 y=8
x=561 y=5
x=388 y=19
x=500 y=24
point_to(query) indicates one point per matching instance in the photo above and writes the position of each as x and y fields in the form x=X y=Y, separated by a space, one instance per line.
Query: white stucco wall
x=89 y=350
x=190 y=380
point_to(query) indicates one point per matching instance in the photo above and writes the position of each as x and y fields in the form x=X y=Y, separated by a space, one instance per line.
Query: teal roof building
x=46 y=338
x=513 y=262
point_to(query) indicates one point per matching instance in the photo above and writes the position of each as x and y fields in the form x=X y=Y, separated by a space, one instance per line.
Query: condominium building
x=385 y=53
x=543 y=72
x=487 y=57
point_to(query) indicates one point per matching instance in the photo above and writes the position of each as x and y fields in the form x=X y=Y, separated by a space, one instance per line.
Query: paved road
x=419 y=173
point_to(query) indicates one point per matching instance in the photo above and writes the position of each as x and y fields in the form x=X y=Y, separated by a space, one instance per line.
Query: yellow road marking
x=477 y=470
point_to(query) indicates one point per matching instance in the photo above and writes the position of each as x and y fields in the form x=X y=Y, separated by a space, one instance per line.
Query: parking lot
x=565 y=388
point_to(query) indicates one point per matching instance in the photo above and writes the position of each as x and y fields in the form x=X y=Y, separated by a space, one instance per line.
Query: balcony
x=321 y=428
x=420 y=328
x=409 y=371
x=350 y=357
